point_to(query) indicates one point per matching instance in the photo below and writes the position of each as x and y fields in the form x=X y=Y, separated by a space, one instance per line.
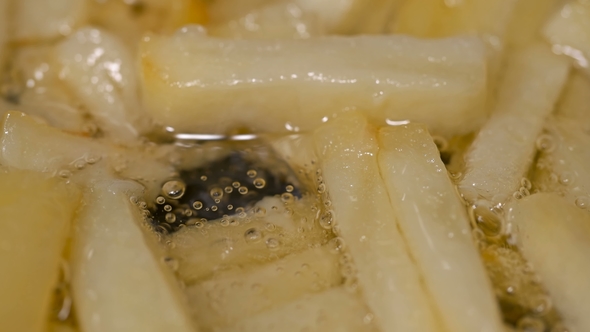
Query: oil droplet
x=243 y=190
x=230 y=207
x=287 y=197
x=524 y=191
x=228 y=189
x=160 y=200
x=565 y=178
x=214 y=208
x=545 y=143
x=270 y=227
x=582 y=202
x=273 y=244
x=526 y=183
x=203 y=178
x=321 y=188
x=197 y=205
x=530 y=324
x=336 y=245
x=260 y=211
x=289 y=188
x=541 y=305
x=64 y=174
x=92 y=159
x=80 y=164
x=225 y=220
x=326 y=220
x=251 y=173
x=259 y=183
x=200 y=224
x=486 y=218
x=235 y=184
x=167 y=208
x=216 y=193
x=174 y=189
x=170 y=217
x=252 y=235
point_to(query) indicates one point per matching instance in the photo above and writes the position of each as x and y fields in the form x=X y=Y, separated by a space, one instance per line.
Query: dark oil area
x=222 y=188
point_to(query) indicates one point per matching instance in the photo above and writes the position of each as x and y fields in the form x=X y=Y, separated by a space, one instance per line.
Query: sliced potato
x=208 y=85
x=569 y=32
x=527 y=20
x=333 y=310
x=387 y=276
x=118 y=282
x=438 y=18
x=210 y=247
x=100 y=71
x=504 y=148
x=227 y=298
x=4 y=31
x=36 y=21
x=555 y=236
x=26 y=143
x=436 y=227
x=574 y=103
x=282 y=20
x=35 y=216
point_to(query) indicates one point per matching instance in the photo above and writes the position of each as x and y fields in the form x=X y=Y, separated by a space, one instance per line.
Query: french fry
x=118 y=283
x=35 y=215
x=36 y=21
x=504 y=148
x=435 y=225
x=387 y=277
x=282 y=20
x=435 y=18
x=527 y=20
x=25 y=143
x=227 y=298
x=202 y=84
x=554 y=236
x=569 y=32
x=332 y=310
x=99 y=69
x=214 y=247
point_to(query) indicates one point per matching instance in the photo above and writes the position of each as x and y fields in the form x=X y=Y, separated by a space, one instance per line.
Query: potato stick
x=225 y=299
x=388 y=278
x=377 y=17
x=99 y=70
x=338 y=16
x=28 y=144
x=201 y=84
x=47 y=20
x=569 y=32
x=564 y=164
x=118 y=283
x=35 y=216
x=527 y=20
x=504 y=148
x=281 y=20
x=4 y=31
x=575 y=101
x=433 y=18
x=334 y=310
x=555 y=237
x=435 y=225
x=202 y=251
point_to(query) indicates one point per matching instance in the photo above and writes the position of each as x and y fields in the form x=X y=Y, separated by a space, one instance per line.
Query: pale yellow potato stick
x=334 y=310
x=35 y=20
x=569 y=32
x=118 y=283
x=436 y=227
x=35 y=215
x=227 y=298
x=504 y=148
x=387 y=277
x=554 y=236
x=201 y=84
x=527 y=21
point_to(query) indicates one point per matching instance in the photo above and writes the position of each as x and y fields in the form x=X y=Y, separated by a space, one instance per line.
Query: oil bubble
x=251 y=173
x=170 y=217
x=252 y=235
x=545 y=143
x=243 y=190
x=326 y=220
x=160 y=200
x=174 y=189
x=216 y=193
x=197 y=205
x=530 y=324
x=273 y=244
x=526 y=183
x=487 y=218
x=259 y=183
x=289 y=188
x=260 y=211
x=287 y=197
x=582 y=202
